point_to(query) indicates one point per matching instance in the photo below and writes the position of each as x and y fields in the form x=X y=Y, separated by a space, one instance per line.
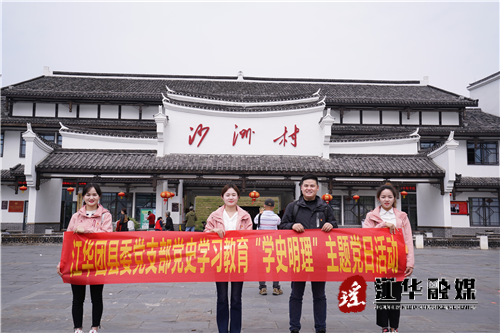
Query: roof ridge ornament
x=322 y=101
x=165 y=99
x=415 y=133
x=317 y=92
x=169 y=90
x=450 y=137
x=240 y=76
x=63 y=127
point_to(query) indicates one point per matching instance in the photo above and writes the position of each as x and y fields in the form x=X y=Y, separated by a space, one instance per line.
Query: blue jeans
x=223 y=307
x=189 y=228
x=319 y=304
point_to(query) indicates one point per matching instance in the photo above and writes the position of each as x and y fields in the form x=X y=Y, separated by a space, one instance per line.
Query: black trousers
x=390 y=317
x=79 y=298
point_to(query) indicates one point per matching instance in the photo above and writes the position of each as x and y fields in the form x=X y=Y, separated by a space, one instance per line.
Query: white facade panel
x=433 y=209
x=371 y=117
x=11 y=149
x=88 y=111
x=22 y=109
x=45 y=110
x=488 y=95
x=8 y=194
x=430 y=118
x=351 y=117
x=130 y=112
x=450 y=118
x=336 y=114
x=414 y=118
x=473 y=170
x=82 y=141
x=63 y=111
x=149 y=112
x=109 y=111
x=221 y=129
x=396 y=147
x=390 y=117
x=49 y=195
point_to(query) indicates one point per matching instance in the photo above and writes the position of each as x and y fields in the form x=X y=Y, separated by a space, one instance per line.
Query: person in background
x=268 y=220
x=159 y=224
x=388 y=216
x=191 y=219
x=169 y=224
x=122 y=224
x=151 y=219
x=311 y=213
x=229 y=217
x=92 y=217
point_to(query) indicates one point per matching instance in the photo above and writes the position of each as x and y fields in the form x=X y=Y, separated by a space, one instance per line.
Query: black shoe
x=294 y=331
x=321 y=331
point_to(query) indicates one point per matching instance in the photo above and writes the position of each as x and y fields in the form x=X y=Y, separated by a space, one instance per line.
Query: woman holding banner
x=92 y=217
x=388 y=216
x=229 y=217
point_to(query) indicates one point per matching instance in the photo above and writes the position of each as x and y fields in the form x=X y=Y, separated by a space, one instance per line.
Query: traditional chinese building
x=141 y=135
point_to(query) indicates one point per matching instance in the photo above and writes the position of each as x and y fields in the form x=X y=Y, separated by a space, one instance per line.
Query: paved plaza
x=34 y=299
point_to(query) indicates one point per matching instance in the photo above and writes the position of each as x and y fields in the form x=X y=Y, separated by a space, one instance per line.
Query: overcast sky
x=454 y=43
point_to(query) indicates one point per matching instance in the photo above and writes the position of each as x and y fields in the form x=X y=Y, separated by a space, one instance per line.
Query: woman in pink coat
x=388 y=216
x=92 y=217
x=229 y=217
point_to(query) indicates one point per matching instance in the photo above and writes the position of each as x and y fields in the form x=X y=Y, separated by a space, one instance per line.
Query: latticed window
x=482 y=152
x=355 y=212
x=484 y=212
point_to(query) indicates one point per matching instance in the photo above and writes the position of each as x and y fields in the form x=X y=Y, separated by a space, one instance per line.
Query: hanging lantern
x=171 y=195
x=121 y=195
x=489 y=200
x=70 y=190
x=355 y=197
x=254 y=195
x=327 y=197
x=404 y=194
x=348 y=199
x=23 y=188
x=165 y=195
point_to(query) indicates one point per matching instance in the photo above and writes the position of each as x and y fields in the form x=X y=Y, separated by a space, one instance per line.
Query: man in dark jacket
x=169 y=224
x=311 y=213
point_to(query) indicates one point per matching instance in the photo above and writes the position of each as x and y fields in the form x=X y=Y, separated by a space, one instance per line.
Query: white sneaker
x=92 y=331
x=78 y=330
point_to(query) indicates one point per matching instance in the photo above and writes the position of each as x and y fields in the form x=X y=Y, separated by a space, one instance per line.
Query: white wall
x=48 y=201
x=371 y=117
x=8 y=194
x=488 y=95
x=430 y=118
x=87 y=111
x=472 y=170
x=11 y=145
x=390 y=117
x=396 y=147
x=45 y=110
x=433 y=209
x=219 y=138
x=414 y=118
x=450 y=118
x=130 y=112
x=336 y=114
x=351 y=117
x=149 y=111
x=109 y=111
x=22 y=109
x=63 y=111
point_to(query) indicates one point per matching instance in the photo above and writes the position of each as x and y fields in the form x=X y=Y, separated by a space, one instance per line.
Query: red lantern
x=70 y=190
x=23 y=188
x=404 y=194
x=327 y=197
x=171 y=195
x=355 y=197
x=121 y=195
x=165 y=195
x=254 y=195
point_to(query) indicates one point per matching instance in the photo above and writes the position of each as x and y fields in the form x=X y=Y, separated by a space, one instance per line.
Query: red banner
x=281 y=255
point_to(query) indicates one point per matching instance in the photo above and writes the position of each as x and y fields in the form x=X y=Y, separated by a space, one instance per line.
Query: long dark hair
x=88 y=187
x=387 y=187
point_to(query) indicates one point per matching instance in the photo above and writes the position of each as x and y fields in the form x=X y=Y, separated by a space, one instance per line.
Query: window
x=426 y=144
x=2 y=146
x=484 y=212
x=47 y=136
x=22 y=147
x=336 y=204
x=355 y=212
x=482 y=152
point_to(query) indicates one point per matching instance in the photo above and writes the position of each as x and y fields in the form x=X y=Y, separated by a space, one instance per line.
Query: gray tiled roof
x=133 y=88
x=116 y=133
x=12 y=173
x=374 y=137
x=476 y=122
x=121 y=161
x=479 y=181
